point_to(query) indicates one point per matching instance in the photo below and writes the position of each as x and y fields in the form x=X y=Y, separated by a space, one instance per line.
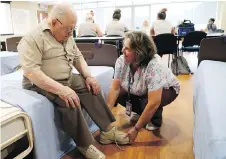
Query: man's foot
x=151 y=127
x=91 y=152
x=113 y=136
x=135 y=117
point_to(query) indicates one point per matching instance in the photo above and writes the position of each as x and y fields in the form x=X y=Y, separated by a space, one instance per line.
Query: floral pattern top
x=146 y=79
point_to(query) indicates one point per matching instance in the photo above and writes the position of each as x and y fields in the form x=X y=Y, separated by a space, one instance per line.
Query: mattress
x=209 y=111
x=15 y=124
x=49 y=139
x=9 y=61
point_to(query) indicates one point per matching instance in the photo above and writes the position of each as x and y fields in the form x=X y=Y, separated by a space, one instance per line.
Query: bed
x=209 y=101
x=49 y=140
x=9 y=62
x=15 y=124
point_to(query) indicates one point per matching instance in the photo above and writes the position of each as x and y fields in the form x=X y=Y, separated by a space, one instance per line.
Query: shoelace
x=116 y=143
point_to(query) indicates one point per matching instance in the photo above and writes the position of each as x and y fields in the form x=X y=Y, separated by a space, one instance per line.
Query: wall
x=221 y=22
x=32 y=7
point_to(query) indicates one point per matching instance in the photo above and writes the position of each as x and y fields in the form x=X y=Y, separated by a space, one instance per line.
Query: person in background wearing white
x=146 y=27
x=92 y=13
x=161 y=25
x=115 y=27
x=89 y=28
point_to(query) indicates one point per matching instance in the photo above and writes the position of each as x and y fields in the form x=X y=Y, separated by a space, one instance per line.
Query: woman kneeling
x=141 y=83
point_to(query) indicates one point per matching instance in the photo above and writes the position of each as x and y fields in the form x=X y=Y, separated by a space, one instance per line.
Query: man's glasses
x=66 y=30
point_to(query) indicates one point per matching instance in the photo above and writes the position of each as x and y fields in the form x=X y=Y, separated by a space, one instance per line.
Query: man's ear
x=54 y=21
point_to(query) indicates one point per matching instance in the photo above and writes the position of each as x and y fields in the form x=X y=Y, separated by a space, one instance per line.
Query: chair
x=113 y=36
x=213 y=49
x=192 y=40
x=117 y=43
x=102 y=55
x=88 y=36
x=11 y=43
x=166 y=44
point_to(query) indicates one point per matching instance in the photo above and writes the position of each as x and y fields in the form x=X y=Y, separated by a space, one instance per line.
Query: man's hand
x=132 y=134
x=69 y=96
x=91 y=83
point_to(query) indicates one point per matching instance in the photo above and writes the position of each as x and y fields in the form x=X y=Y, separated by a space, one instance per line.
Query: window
x=203 y=11
x=104 y=16
x=106 y=4
x=126 y=16
x=198 y=12
x=123 y=2
x=183 y=11
x=141 y=14
x=6 y=26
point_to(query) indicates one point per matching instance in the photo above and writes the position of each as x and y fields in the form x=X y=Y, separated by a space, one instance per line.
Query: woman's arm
x=99 y=32
x=154 y=101
x=113 y=93
x=173 y=31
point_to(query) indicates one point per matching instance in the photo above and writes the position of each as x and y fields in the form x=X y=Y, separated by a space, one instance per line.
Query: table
x=208 y=35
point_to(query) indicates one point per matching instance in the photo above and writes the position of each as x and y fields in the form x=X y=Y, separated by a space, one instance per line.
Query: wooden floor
x=172 y=141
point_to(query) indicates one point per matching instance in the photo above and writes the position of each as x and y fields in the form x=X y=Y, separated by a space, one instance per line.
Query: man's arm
x=31 y=59
x=80 y=63
x=43 y=81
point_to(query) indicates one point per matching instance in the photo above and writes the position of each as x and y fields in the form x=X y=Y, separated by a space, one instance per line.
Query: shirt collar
x=45 y=25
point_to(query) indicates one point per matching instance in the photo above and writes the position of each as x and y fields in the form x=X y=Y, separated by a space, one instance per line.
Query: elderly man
x=47 y=55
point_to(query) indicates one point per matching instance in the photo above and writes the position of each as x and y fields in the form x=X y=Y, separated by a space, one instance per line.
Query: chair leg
x=168 y=60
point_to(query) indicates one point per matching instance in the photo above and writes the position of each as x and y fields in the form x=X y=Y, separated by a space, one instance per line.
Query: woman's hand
x=132 y=134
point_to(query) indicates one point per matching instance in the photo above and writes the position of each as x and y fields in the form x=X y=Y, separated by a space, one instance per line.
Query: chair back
x=102 y=55
x=213 y=49
x=166 y=43
x=113 y=36
x=193 y=38
x=11 y=43
x=88 y=36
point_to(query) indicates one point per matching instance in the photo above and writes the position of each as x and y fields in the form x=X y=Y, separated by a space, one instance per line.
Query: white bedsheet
x=210 y=111
x=50 y=141
x=8 y=62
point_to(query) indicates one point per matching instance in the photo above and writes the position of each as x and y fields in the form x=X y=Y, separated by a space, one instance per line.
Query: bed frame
x=213 y=49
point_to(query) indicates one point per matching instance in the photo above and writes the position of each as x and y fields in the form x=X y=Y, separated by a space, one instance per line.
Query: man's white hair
x=61 y=10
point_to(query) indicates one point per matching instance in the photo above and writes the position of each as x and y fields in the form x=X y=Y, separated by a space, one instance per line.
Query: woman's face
x=210 y=22
x=129 y=55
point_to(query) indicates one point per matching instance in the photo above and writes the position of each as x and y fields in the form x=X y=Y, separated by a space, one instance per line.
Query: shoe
x=151 y=127
x=91 y=153
x=135 y=117
x=113 y=136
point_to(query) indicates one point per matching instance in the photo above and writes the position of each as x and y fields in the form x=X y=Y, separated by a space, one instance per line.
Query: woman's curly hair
x=143 y=46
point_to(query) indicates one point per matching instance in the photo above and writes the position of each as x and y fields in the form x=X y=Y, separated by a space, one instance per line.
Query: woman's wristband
x=136 y=128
